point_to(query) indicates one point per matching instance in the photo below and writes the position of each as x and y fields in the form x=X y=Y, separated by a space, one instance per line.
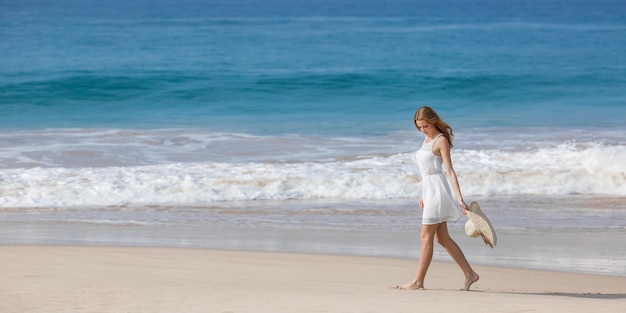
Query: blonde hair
x=429 y=115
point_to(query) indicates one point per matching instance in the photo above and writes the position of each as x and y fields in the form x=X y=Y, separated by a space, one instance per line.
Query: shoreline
x=557 y=250
x=148 y=279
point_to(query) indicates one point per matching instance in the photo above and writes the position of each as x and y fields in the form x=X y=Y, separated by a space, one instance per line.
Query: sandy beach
x=126 y=279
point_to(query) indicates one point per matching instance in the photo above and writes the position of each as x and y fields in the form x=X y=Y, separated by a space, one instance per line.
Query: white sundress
x=439 y=203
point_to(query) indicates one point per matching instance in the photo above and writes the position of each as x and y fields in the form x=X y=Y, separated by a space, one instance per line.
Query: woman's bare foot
x=470 y=280
x=411 y=286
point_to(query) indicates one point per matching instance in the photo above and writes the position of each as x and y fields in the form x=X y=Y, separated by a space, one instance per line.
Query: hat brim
x=482 y=224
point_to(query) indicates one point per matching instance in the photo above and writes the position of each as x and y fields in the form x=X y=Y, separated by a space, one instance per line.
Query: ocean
x=287 y=125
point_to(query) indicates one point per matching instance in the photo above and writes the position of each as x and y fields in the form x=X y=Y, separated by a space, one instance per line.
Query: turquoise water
x=329 y=67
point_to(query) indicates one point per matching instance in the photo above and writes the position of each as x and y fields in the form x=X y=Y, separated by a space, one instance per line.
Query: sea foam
x=587 y=168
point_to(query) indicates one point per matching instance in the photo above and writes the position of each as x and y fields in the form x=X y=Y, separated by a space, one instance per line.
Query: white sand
x=120 y=279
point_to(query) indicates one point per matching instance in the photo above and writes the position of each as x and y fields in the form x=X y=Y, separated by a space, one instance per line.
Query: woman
x=437 y=202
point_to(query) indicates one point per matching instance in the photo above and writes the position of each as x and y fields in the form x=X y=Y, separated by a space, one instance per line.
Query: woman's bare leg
x=426 y=255
x=443 y=238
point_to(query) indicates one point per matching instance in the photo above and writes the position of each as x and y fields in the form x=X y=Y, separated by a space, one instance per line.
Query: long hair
x=429 y=115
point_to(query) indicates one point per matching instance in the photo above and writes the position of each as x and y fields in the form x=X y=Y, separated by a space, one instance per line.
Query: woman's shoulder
x=441 y=137
x=442 y=140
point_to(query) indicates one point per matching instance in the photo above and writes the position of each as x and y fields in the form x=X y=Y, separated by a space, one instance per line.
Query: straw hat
x=479 y=225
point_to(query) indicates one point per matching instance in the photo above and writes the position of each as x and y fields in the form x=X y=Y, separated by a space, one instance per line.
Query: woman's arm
x=443 y=147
